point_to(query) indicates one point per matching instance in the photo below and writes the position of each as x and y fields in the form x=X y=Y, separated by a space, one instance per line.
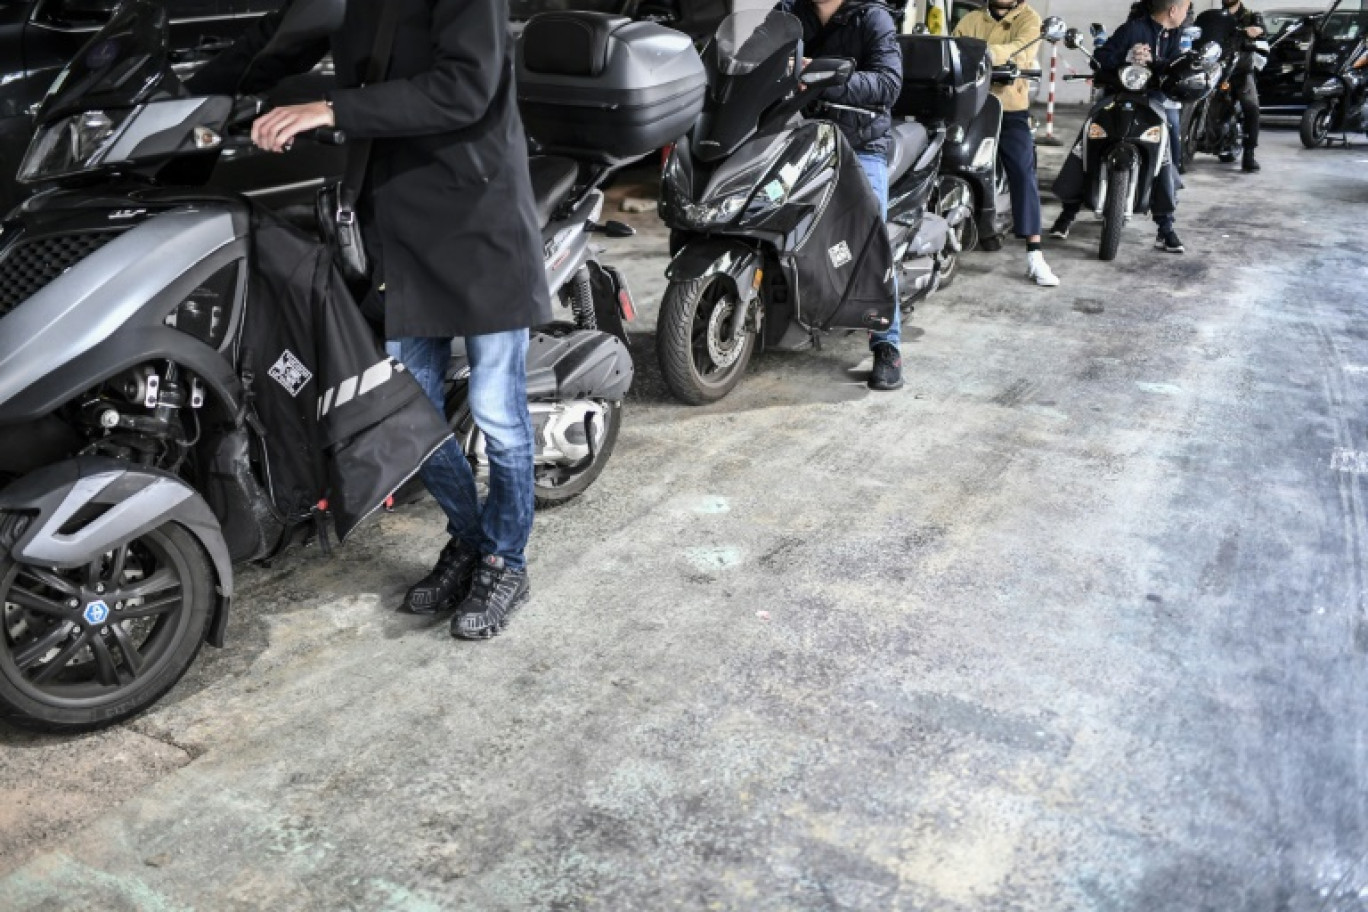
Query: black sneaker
x=1168 y=242
x=1061 y=227
x=1250 y=164
x=494 y=595
x=1226 y=158
x=887 y=372
x=448 y=582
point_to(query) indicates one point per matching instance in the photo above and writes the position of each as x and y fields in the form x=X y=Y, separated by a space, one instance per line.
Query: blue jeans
x=498 y=401
x=1018 y=153
x=875 y=165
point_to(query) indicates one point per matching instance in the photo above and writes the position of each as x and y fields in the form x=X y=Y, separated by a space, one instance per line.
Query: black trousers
x=1247 y=97
x=1017 y=147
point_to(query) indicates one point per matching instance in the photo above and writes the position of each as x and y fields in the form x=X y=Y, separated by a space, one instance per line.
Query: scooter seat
x=910 y=140
x=552 y=180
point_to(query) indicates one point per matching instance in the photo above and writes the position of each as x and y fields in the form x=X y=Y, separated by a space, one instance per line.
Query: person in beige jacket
x=1009 y=26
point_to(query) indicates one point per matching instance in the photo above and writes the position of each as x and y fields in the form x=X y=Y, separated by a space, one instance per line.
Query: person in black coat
x=450 y=220
x=1233 y=26
x=864 y=32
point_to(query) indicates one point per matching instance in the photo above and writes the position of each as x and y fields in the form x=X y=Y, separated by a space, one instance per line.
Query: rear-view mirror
x=1071 y=39
x=827 y=71
x=1053 y=29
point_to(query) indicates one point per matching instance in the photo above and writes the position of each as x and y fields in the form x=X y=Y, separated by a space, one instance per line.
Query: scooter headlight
x=1095 y=131
x=72 y=145
x=1135 y=78
x=1152 y=135
x=720 y=211
x=728 y=194
x=983 y=158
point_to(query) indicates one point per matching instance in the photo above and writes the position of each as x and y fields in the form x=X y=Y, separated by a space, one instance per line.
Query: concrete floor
x=1075 y=621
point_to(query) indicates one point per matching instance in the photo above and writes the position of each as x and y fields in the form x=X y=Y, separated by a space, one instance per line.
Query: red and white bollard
x=1049 y=139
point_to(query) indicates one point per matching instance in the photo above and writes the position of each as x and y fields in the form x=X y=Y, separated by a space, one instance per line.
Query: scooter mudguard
x=613 y=302
x=1121 y=157
x=585 y=364
x=704 y=257
x=85 y=507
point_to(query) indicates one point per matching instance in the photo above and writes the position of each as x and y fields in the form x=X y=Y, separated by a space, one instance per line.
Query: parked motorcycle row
x=155 y=431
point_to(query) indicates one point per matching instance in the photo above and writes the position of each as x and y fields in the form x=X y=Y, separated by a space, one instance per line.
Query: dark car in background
x=38 y=37
x=1282 y=81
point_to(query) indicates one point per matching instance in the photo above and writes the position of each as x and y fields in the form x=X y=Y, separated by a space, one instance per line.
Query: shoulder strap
x=359 y=158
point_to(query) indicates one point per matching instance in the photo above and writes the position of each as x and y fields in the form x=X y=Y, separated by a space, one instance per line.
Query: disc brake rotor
x=723 y=352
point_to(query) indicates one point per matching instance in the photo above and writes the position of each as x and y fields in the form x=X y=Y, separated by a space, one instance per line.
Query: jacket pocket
x=469 y=162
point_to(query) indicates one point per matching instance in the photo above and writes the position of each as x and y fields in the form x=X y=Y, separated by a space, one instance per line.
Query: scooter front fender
x=125 y=501
x=705 y=257
x=1122 y=156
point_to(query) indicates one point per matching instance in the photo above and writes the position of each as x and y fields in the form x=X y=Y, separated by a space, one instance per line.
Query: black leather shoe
x=1250 y=164
x=448 y=582
x=887 y=372
x=496 y=592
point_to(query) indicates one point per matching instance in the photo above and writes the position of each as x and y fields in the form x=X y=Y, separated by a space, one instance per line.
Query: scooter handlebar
x=1010 y=72
x=326 y=136
x=833 y=106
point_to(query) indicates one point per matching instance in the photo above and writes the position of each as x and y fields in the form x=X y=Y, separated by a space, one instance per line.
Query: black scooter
x=776 y=233
x=971 y=168
x=1336 y=78
x=1125 y=141
x=1213 y=125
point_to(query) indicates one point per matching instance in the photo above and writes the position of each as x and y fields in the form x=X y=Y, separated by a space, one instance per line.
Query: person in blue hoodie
x=864 y=32
x=1153 y=40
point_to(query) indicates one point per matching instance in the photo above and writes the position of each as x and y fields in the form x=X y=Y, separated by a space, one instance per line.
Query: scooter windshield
x=122 y=66
x=1346 y=21
x=751 y=66
x=747 y=39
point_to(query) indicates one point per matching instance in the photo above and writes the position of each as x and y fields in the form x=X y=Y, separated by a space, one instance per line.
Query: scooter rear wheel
x=86 y=648
x=1192 y=123
x=700 y=358
x=950 y=193
x=555 y=485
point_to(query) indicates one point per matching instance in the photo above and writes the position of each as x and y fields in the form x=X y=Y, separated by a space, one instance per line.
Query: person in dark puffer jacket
x=864 y=32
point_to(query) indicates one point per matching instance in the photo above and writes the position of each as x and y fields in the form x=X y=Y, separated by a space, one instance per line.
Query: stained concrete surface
x=1075 y=621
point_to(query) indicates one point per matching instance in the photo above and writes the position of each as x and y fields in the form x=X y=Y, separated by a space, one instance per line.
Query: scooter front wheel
x=1114 y=212
x=701 y=358
x=1315 y=124
x=85 y=648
